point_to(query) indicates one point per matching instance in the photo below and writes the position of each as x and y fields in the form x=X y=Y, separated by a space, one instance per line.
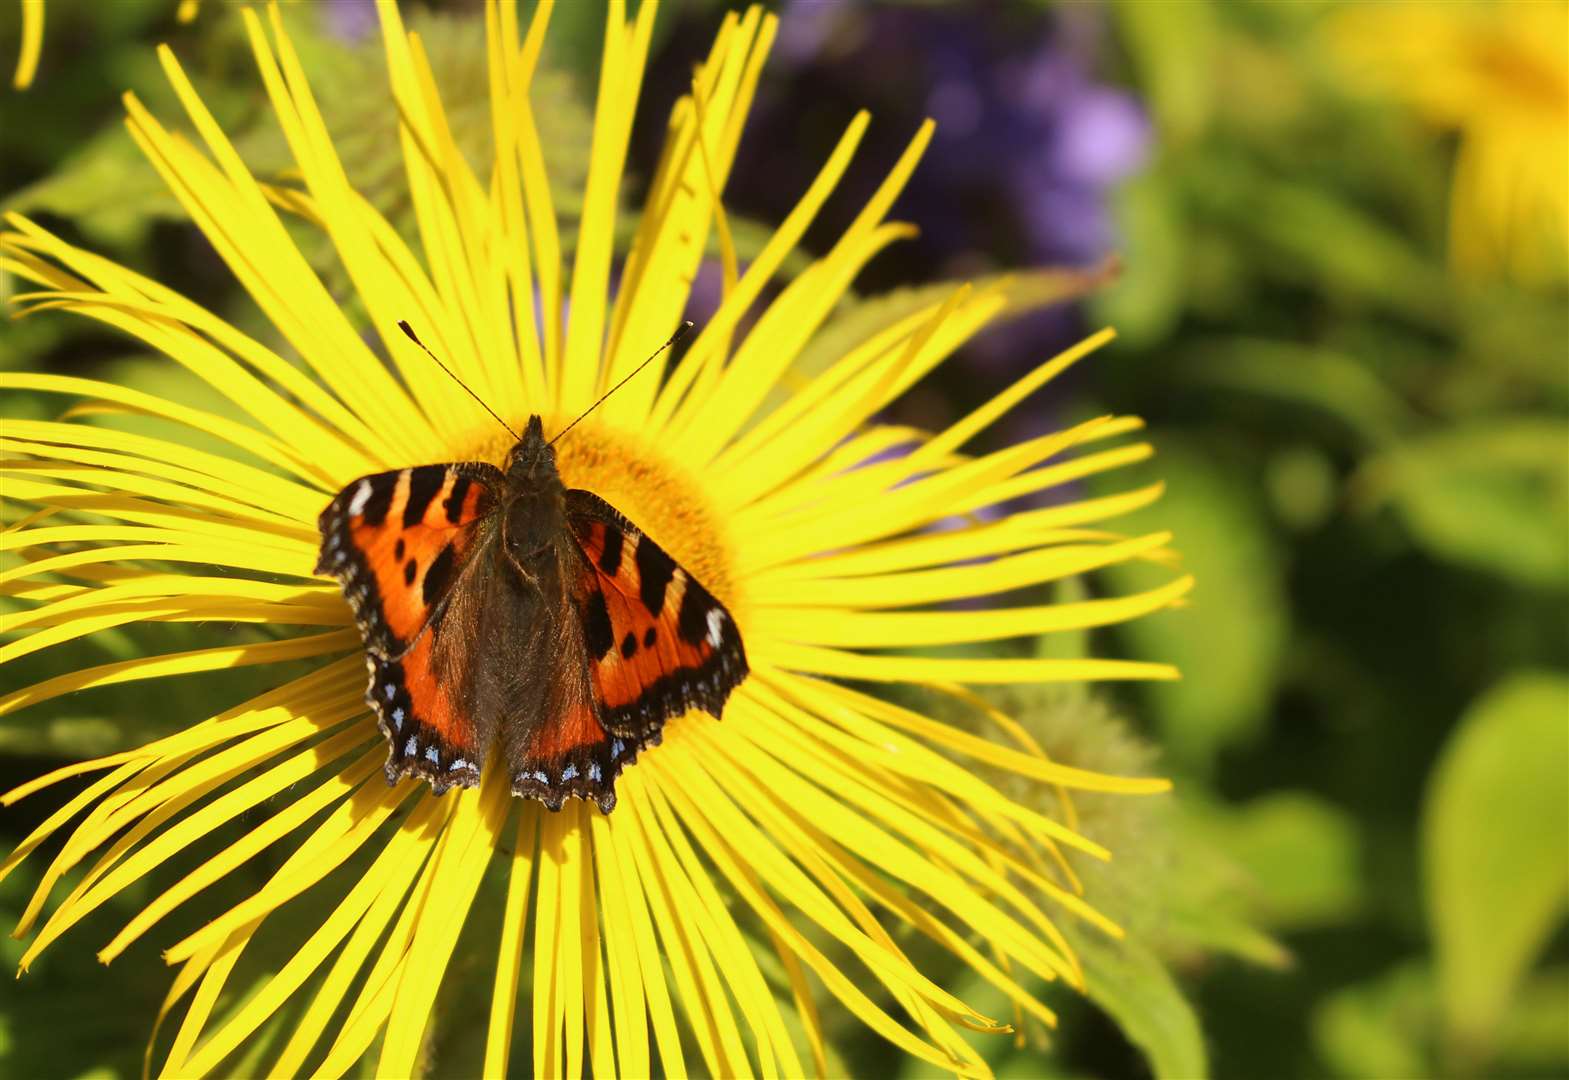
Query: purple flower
x=350 y=20
x=1029 y=142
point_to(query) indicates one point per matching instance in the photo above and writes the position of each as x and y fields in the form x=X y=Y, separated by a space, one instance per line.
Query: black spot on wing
x=654 y=571
x=628 y=645
x=610 y=556
x=424 y=483
x=649 y=637
x=692 y=621
x=382 y=488
x=454 y=500
x=410 y=568
x=598 y=635
x=397 y=552
x=436 y=575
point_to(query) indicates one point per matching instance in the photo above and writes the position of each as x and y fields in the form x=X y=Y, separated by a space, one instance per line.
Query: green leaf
x=1494 y=837
x=1127 y=980
x=1305 y=235
x=1070 y=644
x=1195 y=897
x=1172 y=46
x=1302 y=855
x=1493 y=495
x=1303 y=378
x=69 y=1016
x=1380 y=1027
x=1229 y=641
x=1534 y=1035
x=62 y=736
x=1147 y=300
x=106 y=188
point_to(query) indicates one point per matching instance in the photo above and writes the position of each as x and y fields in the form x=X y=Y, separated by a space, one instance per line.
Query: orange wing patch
x=568 y=754
x=395 y=541
x=428 y=734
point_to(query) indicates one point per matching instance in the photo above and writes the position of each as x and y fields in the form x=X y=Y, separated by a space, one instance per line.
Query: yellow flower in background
x=814 y=816
x=1498 y=74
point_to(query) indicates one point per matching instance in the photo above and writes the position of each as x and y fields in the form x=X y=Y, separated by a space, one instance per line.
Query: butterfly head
x=532 y=459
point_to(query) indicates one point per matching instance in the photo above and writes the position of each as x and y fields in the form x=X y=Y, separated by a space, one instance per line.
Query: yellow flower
x=1497 y=73
x=813 y=817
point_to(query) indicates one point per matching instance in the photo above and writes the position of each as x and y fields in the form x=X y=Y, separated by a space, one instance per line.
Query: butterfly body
x=501 y=609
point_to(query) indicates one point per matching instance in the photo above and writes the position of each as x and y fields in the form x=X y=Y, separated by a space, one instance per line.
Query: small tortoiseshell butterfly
x=500 y=608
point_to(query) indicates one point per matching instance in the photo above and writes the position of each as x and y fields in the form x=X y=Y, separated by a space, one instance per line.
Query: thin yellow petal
x=702 y=997
x=785 y=238
x=620 y=80
x=181 y=834
x=378 y=895
x=945 y=583
x=833 y=662
x=551 y=967
x=340 y=835
x=509 y=952
x=251 y=440
x=455 y=873
x=628 y=1008
x=87 y=797
x=752 y=891
x=626 y=842
x=32 y=44
x=774 y=1050
x=196 y=660
x=848 y=628
x=255 y=840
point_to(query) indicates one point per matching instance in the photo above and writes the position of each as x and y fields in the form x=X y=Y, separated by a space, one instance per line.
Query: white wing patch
x=361 y=497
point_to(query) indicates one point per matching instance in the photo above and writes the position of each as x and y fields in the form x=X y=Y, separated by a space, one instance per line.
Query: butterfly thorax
x=535 y=512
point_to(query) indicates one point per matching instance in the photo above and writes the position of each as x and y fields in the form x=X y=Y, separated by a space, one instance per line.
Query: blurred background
x=1343 y=240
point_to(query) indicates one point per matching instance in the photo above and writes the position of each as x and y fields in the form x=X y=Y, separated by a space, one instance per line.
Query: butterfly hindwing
x=400 y=543
x=657 y=642
x=566 y=752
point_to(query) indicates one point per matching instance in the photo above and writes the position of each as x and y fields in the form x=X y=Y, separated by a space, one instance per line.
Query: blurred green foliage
x=1364 y=871
x=1368 y=459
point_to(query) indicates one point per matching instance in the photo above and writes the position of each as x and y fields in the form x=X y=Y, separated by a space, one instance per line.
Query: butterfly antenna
x=681 y=332
x=409 y=330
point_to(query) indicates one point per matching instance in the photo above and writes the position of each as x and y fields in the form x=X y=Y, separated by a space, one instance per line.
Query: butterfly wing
x=658 y=643
x=558 y=748
x=406 y=547
x=636 y=641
